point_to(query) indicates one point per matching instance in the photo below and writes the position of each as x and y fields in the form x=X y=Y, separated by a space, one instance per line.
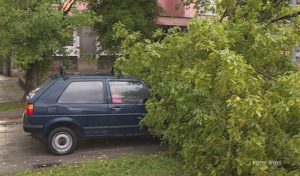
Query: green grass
x=9 y=106
x=153 y=165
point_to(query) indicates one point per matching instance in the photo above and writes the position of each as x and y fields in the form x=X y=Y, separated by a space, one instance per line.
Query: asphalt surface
x=20 y=152
x=10 y=91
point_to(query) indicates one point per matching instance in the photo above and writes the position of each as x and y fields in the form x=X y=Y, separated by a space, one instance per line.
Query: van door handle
x=117 y=109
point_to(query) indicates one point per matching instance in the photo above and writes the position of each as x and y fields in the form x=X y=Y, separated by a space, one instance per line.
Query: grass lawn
x=153 y=165
x=9 y=106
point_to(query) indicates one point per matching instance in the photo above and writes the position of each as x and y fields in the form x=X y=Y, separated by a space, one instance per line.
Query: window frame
x=135 y=81
x=76 y=81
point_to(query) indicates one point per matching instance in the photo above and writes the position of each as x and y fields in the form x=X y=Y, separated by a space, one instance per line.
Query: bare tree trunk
x=31 y=78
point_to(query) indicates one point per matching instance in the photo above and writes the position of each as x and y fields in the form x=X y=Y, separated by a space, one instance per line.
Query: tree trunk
x=31 y=78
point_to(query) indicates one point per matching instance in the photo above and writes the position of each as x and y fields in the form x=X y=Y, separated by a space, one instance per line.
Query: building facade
x=175 y=13
x=84 y=46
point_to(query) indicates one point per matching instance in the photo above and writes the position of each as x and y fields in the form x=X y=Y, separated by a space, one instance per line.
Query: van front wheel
x=61 y=141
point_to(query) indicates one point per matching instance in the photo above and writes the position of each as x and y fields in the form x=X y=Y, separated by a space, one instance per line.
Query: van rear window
x=83 y=92
x=44 y=85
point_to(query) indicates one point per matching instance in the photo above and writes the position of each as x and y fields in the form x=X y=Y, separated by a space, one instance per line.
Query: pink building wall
x=175 y=13
x=81 y=6
x=176 y=8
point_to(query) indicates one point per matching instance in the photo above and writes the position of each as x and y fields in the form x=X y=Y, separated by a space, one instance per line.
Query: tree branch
x=266 y=13
x=264 y=74
x=224 y=14
x=285 y=17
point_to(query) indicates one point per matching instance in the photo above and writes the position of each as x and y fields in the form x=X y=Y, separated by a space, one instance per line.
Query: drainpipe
x=294 y=53
x=6 y=69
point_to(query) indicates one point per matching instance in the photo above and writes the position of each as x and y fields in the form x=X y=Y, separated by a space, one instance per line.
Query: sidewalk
x=10 y=115
x=10 y=91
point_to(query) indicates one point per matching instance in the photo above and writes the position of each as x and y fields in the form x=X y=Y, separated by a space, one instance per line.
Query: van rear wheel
x=62 y=141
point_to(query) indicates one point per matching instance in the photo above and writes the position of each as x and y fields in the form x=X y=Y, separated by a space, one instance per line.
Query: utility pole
x=294 y=53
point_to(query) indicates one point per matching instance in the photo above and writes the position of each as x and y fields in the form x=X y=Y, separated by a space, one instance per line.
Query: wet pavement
x=20 y=152
x=10 y=91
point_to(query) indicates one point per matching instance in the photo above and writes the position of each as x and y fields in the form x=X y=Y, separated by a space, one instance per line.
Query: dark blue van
x=66 y=109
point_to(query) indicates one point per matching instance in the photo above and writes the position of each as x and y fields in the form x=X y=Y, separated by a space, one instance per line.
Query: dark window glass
x=123 y=92
x=83 y=92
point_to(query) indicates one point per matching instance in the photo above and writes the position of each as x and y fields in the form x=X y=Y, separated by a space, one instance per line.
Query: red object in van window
x=117 y=100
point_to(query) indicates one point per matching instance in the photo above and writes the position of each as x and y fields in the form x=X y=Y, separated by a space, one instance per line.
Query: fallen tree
x=225 y=95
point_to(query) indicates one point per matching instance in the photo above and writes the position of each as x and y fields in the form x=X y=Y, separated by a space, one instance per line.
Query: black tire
x=62 y=141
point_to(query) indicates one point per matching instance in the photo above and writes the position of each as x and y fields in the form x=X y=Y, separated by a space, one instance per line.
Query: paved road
x=19 y=152
x=10 y=91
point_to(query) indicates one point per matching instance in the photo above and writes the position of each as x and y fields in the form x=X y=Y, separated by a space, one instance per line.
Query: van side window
x=83 y=92
x=126 y=92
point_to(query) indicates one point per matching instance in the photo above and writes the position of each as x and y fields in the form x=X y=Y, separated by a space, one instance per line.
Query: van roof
x=92 y=75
